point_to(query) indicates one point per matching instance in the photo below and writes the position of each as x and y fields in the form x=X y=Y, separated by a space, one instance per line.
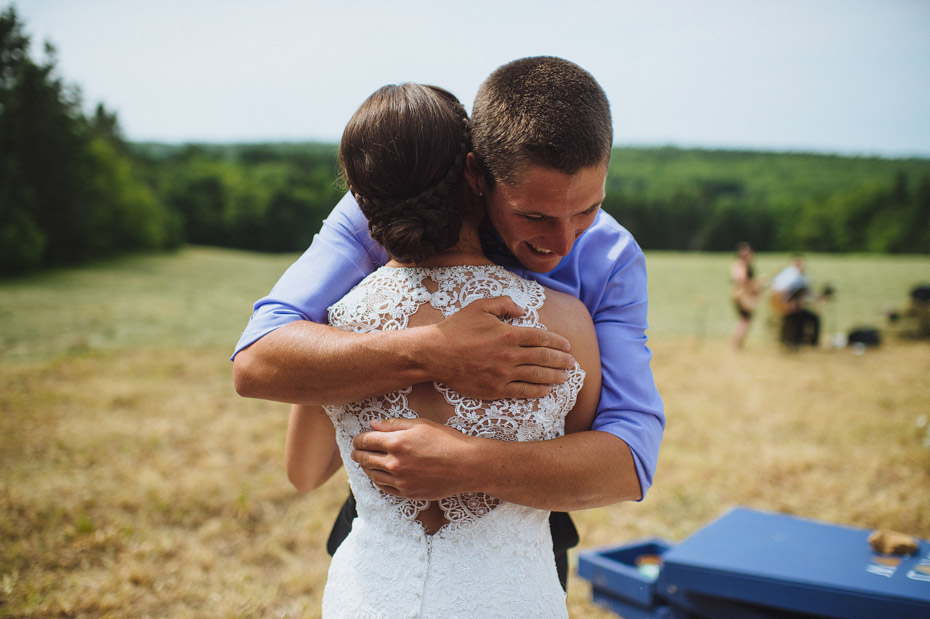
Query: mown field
x=135 y=483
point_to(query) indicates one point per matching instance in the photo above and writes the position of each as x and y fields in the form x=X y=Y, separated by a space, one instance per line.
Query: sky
x=833 y=76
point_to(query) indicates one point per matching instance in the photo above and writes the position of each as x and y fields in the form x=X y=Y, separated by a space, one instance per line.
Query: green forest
x=73 y=189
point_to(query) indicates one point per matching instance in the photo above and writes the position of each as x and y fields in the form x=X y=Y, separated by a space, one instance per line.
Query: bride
x=468 y=555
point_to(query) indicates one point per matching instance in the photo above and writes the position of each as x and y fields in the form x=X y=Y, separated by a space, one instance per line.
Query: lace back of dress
x=387 y=300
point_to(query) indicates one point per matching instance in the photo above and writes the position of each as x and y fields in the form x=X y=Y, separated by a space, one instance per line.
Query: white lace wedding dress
x=492 y=558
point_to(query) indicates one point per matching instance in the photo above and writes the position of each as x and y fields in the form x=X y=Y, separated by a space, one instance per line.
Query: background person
x=791 y=294
x=745 y=292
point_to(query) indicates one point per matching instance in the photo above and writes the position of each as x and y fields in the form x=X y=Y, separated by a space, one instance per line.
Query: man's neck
x=493 y=246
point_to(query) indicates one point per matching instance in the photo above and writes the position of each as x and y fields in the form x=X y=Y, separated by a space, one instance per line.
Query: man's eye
x=533 y=217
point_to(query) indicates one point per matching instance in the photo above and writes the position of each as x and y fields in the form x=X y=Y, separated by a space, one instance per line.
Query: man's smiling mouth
x=538 y=249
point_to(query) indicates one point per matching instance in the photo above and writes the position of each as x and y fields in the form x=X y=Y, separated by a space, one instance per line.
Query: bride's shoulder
x=562 y=302
x=566 y=315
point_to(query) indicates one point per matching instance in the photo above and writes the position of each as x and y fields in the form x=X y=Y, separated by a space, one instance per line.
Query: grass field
x=135 y=483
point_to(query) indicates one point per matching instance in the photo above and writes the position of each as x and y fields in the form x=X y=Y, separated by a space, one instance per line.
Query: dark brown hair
x=542 y=111
x=403 y=156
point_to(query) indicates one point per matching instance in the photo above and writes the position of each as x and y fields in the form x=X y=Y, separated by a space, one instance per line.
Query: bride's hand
x=479 y=356
x=415 y=458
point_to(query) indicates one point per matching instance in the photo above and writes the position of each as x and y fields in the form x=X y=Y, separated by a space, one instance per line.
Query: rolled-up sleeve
x=630 y=407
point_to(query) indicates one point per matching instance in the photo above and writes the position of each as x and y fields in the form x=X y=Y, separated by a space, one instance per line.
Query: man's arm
x=420 y=459
x=576 y=471
x=631 y=407
x=472 y=351
x=288 y=354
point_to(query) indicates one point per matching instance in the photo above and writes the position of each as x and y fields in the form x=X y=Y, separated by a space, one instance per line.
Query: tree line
x=73 y=189
x=268 y=197
x=710 y=200
x=68 y=185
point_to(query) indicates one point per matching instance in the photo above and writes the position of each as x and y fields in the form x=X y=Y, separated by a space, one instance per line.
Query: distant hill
x=774 y=177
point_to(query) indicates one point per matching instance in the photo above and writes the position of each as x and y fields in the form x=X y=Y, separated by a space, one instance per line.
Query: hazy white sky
x=846 y=76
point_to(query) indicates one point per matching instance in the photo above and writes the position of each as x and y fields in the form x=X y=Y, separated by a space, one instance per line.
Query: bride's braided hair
x=403 y=156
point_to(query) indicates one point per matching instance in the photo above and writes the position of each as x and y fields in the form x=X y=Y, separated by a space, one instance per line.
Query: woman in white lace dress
x=468 y=555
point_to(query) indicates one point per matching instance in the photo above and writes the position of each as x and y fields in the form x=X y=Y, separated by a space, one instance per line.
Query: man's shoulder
x=604 y=255
x=606 y=239
x=605 y=222
x=347 y=210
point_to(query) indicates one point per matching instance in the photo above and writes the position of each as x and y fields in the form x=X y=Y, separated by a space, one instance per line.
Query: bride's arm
x=310 y=453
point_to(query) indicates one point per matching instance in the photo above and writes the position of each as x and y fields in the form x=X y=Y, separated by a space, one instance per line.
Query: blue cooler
x=618 y=584
x=752 y=563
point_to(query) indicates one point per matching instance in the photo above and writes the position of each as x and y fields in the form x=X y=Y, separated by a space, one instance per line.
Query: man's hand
x=413 y=458
x=478 y=355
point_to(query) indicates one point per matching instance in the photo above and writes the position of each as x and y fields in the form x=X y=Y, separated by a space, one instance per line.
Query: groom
x=541 y=139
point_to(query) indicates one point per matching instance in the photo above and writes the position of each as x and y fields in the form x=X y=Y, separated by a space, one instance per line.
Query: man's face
x=540 y=217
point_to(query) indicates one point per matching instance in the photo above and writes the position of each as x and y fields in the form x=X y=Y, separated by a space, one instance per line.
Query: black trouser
x=564 y=535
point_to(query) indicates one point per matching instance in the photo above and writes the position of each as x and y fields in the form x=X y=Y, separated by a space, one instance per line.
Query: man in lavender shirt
x=541 y=143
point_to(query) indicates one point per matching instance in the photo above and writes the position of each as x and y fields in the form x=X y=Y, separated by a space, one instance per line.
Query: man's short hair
x=541 y=111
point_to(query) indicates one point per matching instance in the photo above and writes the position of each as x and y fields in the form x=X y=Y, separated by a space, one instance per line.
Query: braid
x=414 y=228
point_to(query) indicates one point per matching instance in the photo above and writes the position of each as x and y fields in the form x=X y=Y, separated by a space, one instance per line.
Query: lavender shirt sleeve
x=630 y=405
x=339 y=257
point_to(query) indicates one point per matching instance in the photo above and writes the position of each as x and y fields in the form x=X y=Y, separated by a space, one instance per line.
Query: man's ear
x=474 y=174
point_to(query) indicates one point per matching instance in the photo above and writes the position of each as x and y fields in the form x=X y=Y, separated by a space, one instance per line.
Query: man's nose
x=562 y=238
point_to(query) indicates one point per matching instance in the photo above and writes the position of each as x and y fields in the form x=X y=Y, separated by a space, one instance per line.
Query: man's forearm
x=472 y=351
x=576 y=471
x=312 y=364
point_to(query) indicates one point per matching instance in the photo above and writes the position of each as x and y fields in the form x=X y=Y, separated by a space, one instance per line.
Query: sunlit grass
x=197 y=297
x=135 y=483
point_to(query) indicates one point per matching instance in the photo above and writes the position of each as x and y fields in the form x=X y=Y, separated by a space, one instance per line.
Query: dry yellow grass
x=136 y=484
